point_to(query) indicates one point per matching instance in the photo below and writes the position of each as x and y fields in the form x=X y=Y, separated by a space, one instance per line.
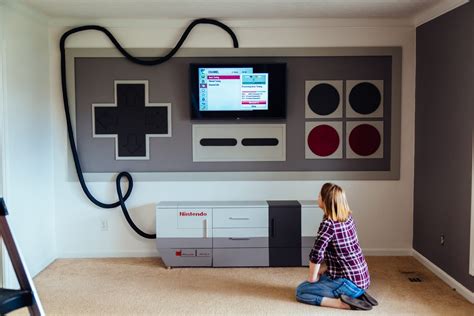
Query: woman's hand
x=322 y=270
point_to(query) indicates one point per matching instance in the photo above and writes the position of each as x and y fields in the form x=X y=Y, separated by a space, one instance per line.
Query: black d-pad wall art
x=131 y=120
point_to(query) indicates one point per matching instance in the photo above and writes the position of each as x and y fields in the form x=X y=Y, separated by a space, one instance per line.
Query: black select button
x=260 y=142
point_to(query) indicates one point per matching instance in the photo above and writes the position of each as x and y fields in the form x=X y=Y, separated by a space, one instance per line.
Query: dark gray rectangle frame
x=392 y=174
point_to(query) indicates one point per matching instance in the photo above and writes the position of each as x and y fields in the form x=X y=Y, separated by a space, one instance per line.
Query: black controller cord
x=146 y=62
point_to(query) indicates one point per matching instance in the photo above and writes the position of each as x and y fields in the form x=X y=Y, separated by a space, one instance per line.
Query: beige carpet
x=145 y=287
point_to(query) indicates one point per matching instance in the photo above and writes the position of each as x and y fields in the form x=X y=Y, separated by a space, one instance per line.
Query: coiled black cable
x=146 y=62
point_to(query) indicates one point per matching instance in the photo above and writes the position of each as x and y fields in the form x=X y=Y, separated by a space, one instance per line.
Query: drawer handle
x=239 y=218
x=239 y=238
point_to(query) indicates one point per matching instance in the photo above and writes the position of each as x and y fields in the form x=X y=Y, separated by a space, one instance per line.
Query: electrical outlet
x=104 y=225
x=441 y=240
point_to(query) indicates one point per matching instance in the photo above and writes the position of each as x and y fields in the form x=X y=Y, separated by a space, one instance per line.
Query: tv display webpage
x=232 y=89
x=238 y=91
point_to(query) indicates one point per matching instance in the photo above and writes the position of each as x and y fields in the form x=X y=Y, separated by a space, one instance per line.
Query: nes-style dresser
x=236 y=233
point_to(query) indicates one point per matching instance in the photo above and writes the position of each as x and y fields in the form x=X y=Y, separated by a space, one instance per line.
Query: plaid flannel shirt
x=337 y=244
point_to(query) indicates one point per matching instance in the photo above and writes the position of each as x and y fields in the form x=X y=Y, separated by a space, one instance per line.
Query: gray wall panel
x=444 y=122
x=169 y=83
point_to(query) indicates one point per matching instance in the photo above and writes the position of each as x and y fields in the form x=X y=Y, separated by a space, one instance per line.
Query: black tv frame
x=276 y=93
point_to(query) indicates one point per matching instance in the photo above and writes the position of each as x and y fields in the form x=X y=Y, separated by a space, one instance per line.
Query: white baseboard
x=154 y=253
x=461 y=289
x=108 y=254
x=151 y=253
x=41 y=266
x=10 y=280
x=390 y=252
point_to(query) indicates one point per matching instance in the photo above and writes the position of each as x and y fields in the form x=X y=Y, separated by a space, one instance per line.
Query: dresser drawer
x=243 y=257
x=241 y=242
x=186 y=257
x=240 y=217
x=240 y=237
x=184 y=242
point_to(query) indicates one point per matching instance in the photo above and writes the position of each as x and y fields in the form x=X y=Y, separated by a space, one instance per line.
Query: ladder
x=26 y=296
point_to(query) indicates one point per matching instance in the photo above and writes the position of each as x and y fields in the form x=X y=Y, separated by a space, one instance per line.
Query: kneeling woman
x=340 y=282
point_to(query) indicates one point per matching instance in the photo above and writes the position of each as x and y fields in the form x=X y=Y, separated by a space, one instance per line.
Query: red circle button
x=364 y=140
x=323 y=140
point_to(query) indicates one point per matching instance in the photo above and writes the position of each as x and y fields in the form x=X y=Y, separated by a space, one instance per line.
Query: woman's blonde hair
x=335 y=204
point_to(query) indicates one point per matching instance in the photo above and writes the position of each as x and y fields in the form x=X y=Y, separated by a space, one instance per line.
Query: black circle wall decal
x=365 y=98
x=323 y=99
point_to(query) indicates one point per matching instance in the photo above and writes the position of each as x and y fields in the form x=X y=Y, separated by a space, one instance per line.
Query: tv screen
x=230 y=91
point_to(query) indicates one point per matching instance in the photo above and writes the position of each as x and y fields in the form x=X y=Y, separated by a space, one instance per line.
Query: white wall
x=28 y=173
x=3 y=257
x=383 y=209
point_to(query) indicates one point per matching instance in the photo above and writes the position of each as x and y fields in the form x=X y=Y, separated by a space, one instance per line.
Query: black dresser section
x=284 y=233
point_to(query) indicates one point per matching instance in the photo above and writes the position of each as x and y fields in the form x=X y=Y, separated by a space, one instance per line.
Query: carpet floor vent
x=412 y=276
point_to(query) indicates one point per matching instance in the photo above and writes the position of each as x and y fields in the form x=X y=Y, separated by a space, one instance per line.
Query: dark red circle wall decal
x=365 y=98
x=364 y=140
x=323 y=99
x=323 y=140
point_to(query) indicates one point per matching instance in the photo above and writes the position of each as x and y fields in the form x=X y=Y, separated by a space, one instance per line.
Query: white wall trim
x=427 y=15
x=3 y=104
x=4 y=272
x=37 y=268
x=461 y=289
x=437 y=10
x=27 y=21
x=377 y=252
x=235 y=23
x=3 y=128
x=26 y=11
x=10 y=279
x=154 y=253
x=471 y=239
x=108 y=254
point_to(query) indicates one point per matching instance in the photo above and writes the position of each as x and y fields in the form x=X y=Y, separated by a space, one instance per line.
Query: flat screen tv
x=235 y=91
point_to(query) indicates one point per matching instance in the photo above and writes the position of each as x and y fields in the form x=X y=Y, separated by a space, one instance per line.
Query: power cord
x=146 y=62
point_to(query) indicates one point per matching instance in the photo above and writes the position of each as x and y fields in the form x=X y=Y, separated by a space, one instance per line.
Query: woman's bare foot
x=344 y=305
x=334 y=303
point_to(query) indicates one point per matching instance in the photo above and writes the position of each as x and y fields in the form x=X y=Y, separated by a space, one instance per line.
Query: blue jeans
x=313 y=293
